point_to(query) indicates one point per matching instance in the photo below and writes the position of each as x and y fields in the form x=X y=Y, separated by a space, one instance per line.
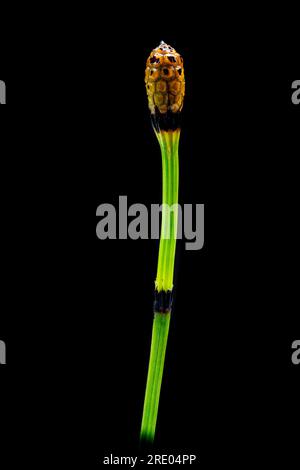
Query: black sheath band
x=163 y=301
x=166 y=122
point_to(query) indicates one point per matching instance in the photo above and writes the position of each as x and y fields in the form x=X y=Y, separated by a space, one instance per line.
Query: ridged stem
x=169 y=142
x=155 y=372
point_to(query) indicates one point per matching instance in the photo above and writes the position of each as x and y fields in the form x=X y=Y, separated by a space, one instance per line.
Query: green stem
x=155 y=372
x=169 y=141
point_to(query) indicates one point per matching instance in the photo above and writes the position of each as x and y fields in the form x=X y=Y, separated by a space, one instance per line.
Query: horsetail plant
x=165 y=85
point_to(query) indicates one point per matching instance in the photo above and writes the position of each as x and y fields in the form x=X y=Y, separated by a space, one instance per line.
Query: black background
x=77 y=311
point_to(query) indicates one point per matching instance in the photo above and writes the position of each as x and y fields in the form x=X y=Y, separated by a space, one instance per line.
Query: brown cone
x=164 y=78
